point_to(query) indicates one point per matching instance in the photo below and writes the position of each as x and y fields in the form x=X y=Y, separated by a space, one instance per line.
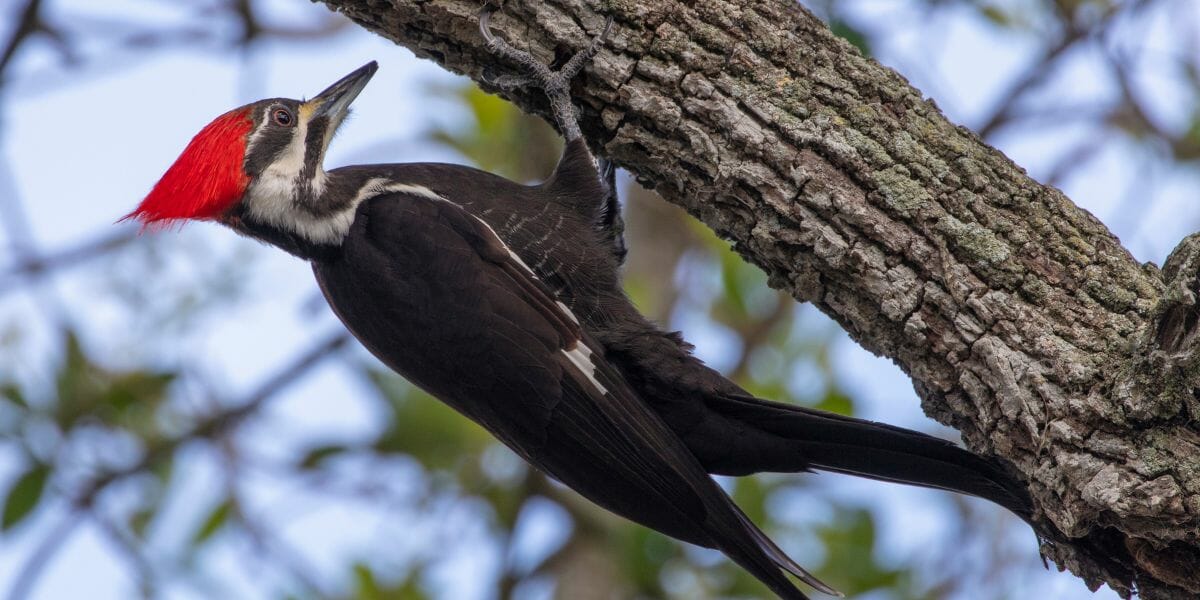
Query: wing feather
x=488 y=337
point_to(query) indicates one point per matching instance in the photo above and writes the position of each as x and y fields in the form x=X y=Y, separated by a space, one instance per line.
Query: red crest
x=206 y=179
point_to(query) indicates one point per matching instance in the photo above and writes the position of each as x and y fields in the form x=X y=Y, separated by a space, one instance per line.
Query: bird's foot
x=556 y=84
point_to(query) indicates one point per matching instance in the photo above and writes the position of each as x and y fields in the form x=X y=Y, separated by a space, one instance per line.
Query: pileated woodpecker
x=504 y=301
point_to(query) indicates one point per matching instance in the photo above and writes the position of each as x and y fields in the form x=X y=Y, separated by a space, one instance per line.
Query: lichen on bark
x=1021 y=319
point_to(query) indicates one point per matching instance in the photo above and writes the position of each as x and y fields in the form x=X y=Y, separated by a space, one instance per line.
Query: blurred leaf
x=24 y=495
x=365 y=586
x=139 y=520
x=135 y=389
x=368 y=587
x=86 y=390
x=733 y=282
x=14 y=395
x=425 y=428
x=836 y=401
x=317 y=456
x=506 y=501
x=750 y=493
x=71 y=383
x=1188 y=147
x=213 y=523
x=849 y=33
x=643 y=555
x=996 y=15
x=505 y=140
x=850 y=540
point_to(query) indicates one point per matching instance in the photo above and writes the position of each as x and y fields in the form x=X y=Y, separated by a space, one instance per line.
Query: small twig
x=221 y=422
x=1074 y=159
x=29 y=23
x=263 y=539
x=40 y=558
x=1005 y=107
x=127 y=547
x=36 y=266
x=755 y=333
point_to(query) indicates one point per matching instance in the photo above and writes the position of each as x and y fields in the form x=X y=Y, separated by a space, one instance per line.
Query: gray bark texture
x=1021 y=319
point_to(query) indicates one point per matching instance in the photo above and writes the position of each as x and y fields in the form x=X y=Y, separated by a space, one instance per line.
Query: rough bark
x=1021 y=319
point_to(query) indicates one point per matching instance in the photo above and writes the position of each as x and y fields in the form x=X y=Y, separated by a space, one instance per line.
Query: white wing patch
x=581 y=357
x=515 y=257
x=567 y=310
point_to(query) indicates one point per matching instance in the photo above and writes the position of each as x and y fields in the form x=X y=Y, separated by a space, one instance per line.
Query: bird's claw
x=507 y=82
x=555 y=84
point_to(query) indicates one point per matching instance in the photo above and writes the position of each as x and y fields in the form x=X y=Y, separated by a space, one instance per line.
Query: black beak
x=335 y=99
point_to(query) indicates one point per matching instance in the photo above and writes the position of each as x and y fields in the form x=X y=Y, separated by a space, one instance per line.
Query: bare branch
x=31 y=267
x=39 y=559
x=218 y=424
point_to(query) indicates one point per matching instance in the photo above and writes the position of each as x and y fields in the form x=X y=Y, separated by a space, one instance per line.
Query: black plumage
x=558 y=229
x=435 y=294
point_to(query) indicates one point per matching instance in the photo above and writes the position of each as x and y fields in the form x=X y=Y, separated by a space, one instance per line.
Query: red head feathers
x=206 y=179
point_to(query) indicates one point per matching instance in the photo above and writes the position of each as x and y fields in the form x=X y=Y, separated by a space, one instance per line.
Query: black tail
x=774 y=437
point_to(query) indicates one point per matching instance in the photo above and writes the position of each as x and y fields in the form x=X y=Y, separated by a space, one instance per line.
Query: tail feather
x=782 y=560
x=788 y=438
x=744 y=543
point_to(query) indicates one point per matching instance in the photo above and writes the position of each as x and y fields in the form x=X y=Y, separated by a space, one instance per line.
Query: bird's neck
x=308 y=217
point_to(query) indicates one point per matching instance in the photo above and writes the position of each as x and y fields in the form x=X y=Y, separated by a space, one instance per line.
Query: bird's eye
x=282 y=117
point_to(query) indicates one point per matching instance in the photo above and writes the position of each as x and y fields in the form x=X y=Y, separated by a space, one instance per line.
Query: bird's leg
x=556 y=84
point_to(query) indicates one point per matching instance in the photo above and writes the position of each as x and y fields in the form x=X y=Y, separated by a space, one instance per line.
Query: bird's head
x=261 y=162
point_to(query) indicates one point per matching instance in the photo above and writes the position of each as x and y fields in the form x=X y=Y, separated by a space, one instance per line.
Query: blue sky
x=116 y=126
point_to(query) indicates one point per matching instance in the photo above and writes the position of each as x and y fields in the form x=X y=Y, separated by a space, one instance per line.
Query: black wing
x=435 y=294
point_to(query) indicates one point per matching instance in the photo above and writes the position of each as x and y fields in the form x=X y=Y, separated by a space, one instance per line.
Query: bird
x=504 y=301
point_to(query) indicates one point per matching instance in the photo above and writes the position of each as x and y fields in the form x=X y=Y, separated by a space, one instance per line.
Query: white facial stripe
x=581 y=357
x=257 y=133
x=272 y=197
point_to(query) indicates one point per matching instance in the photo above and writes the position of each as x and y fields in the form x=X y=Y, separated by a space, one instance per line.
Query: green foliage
x=504 y=140
x=89 y=404
x=216 y=519
x=86 y=390
x=318 y=456
x=424 y=428
x=850 y=540
x=849 y=33
x=368 y=587
x=24 y=495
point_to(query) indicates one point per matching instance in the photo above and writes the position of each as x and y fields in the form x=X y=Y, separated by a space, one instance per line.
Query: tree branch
x=213 y=426
x=1022 y=320
x=54 y=541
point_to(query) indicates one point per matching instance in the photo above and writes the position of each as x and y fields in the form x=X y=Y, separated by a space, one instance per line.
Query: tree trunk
x=1021 y=319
